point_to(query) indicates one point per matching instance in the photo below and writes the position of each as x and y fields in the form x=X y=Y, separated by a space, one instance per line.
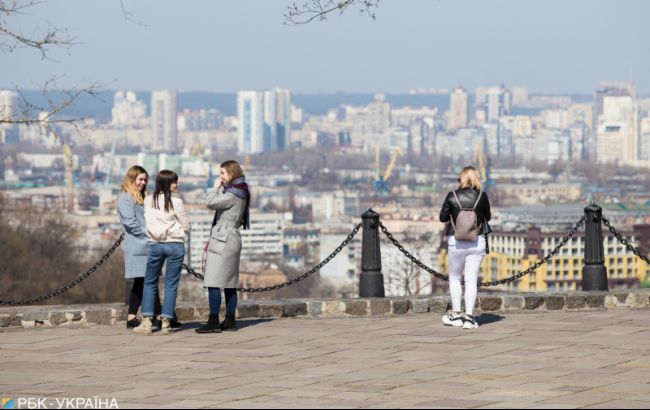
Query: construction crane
x=68 y=162
x=380 y=184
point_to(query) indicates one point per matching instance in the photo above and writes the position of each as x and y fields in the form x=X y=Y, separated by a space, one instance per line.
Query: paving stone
x=534 y=302
x=185 y=313
x=36 y=315
x=514 y=302
x=419 y=305
x=292 y=309
x=248 y=310
x=576 y=301
x=271 y=309
x=379 y=307
x=74 y=316
x=315 y=308
x=201 y=312
x=58 y=318
x=100 y=317
x=333 y=308
x=16 y=320
x=490 y=303
x=621 y=297
x=356 y=307
x=555 y=302
x=596 y=301
x=400 y=307
x=440 y=305
x=637 y=300
x=5 y=320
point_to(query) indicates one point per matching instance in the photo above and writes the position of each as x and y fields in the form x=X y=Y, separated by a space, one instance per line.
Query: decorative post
x=371 y=281
x=594 y=272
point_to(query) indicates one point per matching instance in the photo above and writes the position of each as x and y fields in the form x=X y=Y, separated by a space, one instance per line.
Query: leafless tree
x=43 y=42
x=312 y=10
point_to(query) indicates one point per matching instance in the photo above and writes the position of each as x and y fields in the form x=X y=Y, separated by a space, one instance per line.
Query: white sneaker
x=453 y=319
x=469 y=322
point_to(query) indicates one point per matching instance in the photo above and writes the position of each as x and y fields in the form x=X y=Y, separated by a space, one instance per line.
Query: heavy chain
x=80 y=278
x=624 y=241
x=299 y=278
x=510 y=279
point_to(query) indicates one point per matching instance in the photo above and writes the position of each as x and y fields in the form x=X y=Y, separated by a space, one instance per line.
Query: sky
x=550 y=46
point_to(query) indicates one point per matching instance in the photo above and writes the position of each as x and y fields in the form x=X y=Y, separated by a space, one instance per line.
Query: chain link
x=624 y=241
x=513 y=278
x=80 y=278
x=293 y=281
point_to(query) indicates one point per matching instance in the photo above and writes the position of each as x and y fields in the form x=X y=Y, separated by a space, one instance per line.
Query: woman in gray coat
x=230 y=199
x=130 y=207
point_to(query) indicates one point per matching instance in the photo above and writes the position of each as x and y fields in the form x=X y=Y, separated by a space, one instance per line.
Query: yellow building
x=514 y=252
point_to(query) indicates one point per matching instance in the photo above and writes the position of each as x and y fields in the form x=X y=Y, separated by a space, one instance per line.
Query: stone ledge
x=110 y=314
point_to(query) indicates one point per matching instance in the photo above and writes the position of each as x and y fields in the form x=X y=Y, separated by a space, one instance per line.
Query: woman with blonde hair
x=230 y=199
x=467 y=210
x=130 y=208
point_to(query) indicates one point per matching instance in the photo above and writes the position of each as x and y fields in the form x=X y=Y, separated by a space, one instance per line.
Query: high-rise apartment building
x=163 y=121
x=617 y=138
x=127 y=110
x=250 y=109
x=497 y=103
x=458 y=109
x=9 y=110
x=9 y=101
x=264 y=120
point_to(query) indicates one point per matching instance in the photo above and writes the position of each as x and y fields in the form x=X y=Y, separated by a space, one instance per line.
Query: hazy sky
x=223 y=46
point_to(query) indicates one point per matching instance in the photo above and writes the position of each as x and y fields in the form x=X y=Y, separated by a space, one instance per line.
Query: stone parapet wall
x=111 y=314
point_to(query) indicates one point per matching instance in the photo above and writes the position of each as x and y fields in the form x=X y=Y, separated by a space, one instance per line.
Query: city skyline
x=444 y=44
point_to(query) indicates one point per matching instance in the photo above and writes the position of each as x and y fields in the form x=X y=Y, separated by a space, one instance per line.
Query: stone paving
x=597 y=359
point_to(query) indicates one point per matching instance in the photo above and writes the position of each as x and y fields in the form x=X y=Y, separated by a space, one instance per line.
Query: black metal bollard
x=594 y=272
x=371 y=281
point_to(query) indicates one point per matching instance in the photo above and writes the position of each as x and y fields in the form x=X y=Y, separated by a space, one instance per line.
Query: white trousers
x=465 y=257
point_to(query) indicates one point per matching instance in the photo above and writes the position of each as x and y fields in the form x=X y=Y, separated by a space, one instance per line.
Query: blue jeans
x=174 y=253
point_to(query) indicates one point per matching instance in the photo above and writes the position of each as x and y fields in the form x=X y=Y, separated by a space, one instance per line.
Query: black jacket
x=467 y=197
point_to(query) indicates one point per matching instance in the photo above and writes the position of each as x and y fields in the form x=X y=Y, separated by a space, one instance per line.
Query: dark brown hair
x=164 y=182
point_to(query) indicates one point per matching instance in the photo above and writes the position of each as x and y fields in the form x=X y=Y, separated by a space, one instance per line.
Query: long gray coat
x=224 y=249
x=136 y=245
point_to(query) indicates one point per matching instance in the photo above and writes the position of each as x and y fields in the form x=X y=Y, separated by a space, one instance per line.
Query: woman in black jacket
x=465 y=256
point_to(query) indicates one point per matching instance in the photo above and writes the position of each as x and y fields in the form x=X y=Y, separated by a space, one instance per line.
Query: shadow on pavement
x=487 y=318
x=241 y=324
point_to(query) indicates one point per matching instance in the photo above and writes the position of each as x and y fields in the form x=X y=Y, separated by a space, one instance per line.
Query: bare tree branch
x=57 y=101
x=319 y=10
x=11 y=39
x=130 y=16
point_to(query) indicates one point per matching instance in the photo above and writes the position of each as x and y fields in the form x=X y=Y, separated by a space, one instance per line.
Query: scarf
x=239 y=188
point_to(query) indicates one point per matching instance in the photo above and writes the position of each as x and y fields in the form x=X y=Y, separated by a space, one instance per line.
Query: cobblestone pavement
x=597 y=359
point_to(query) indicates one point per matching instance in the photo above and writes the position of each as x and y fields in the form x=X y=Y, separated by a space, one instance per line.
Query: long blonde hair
x=470 y=178
x=129 y=186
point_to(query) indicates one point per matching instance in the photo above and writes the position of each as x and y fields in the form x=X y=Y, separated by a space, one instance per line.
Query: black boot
x=175 y=324
x=211 y=327
x=230 y=324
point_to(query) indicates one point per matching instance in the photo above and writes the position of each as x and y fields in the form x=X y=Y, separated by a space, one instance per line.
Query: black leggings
x=135 y=299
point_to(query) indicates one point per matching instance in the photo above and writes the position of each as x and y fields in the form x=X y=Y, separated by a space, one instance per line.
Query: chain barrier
x=293 y=281
x=624 y=241
x=510 y=279
x=80 y=278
